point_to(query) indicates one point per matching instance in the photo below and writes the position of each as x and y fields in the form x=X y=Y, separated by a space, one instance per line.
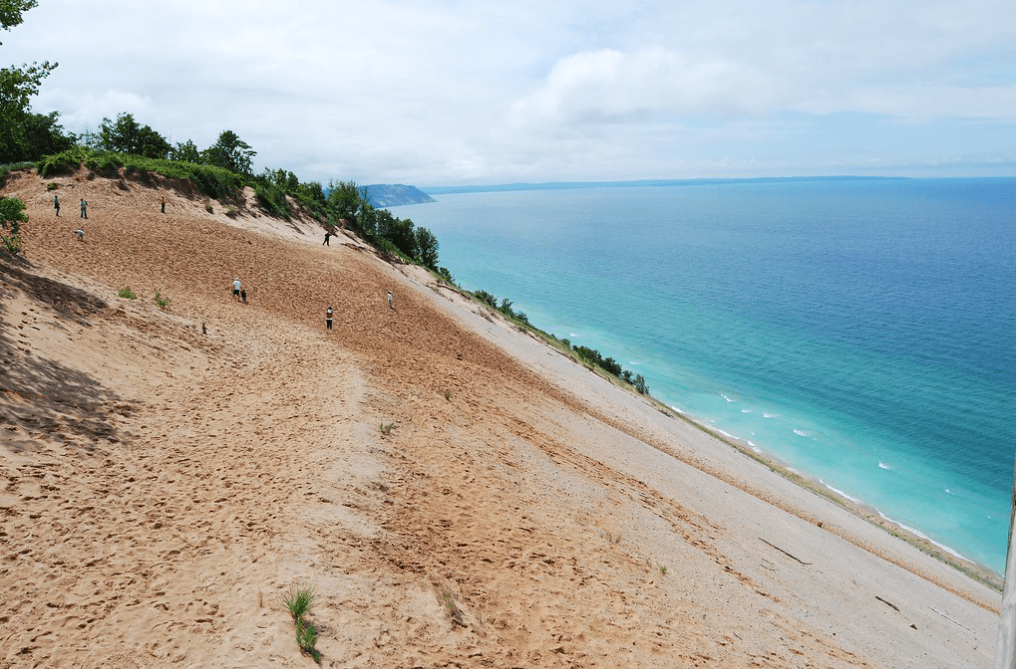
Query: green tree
x=313 y=192
x=344 y=200
x=12 y=215
x=11 y=11
x=186 y=152
x=230 y=152
x=126 y=135
x=427 y=244
x=17 y=85
x=45 y=136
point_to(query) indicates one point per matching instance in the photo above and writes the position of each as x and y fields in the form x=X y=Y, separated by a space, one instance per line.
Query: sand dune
x=167 y=475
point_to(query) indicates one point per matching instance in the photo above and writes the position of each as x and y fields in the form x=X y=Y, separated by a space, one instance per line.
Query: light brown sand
x=160 y=488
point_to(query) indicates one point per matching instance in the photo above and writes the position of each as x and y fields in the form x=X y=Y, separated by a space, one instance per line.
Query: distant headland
x=393 y=195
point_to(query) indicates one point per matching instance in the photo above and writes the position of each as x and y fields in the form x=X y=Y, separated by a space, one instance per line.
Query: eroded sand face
x=162 y=486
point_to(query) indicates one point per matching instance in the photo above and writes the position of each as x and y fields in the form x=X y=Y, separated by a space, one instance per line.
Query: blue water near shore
x=861 y=331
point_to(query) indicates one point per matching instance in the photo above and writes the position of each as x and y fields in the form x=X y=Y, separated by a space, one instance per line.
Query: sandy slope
x=161 y=487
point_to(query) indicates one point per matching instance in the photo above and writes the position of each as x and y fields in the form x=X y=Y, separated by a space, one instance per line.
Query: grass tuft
x=386 y=429
x=127 y=294
x=299 y=600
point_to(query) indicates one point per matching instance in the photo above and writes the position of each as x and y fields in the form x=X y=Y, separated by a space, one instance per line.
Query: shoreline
x=871 y=514
x=868 y=512
x=945 y=554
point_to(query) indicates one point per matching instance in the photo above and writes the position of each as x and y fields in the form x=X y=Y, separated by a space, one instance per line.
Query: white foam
x=883 y=465
x=802 y=433
x=839 y=492
x=924 y=536
x=746 y=410
x=729 y=399
x=771 y=415
x=950 y=492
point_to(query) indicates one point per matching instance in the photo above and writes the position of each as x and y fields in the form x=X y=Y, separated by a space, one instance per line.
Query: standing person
x=328 y=235
x=237 y=286
x=163 y=201
x=328 y=318
x=391 y=301
x=56 y=205
x=84 y=208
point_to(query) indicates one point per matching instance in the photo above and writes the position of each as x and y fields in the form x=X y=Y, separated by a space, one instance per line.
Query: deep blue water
x=861 y=331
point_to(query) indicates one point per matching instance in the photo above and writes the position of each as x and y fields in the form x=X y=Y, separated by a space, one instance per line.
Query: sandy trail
x=163 y=487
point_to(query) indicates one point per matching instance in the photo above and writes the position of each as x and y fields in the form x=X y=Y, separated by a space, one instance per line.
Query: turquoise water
x=861 y=331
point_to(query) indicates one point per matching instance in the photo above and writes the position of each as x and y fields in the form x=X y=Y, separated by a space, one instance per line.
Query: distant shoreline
x=565 y=185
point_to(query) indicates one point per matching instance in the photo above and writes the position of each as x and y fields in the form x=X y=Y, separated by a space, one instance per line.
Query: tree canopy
x=126 y=135
x=17 y=86
x=230 y=152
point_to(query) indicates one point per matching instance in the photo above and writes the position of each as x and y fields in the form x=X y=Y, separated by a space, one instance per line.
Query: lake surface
x=861 y=331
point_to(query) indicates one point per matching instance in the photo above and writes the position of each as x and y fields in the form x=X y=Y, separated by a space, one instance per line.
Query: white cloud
x=608 y=86
x=443 y=91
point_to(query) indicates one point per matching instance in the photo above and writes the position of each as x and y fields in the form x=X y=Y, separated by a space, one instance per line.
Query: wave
x=882 y=465
x=747 y=410
x=840 y=492
x=802 y=433
x=924 y=536
x=729 y=399
x=771 y=415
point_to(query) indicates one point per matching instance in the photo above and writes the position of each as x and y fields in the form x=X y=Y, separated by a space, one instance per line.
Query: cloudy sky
x=443 y=92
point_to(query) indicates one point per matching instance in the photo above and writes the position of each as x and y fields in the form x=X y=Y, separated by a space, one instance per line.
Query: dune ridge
x=168 y=474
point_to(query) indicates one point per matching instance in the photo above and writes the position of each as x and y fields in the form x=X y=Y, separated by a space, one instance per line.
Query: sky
x=448 y=92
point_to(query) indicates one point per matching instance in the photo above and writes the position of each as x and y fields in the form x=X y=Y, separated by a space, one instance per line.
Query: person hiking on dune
x=56 y=205
x=84 y=208
x=237 y=287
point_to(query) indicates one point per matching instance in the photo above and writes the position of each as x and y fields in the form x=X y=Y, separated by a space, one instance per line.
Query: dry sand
x=162 y=488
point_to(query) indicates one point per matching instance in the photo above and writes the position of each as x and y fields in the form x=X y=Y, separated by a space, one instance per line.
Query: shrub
x=486 y=298
x=12 y=215
x=13 y=167
x=127 y=294
x=272 y=199
x=163 y=302
x=51 y=185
